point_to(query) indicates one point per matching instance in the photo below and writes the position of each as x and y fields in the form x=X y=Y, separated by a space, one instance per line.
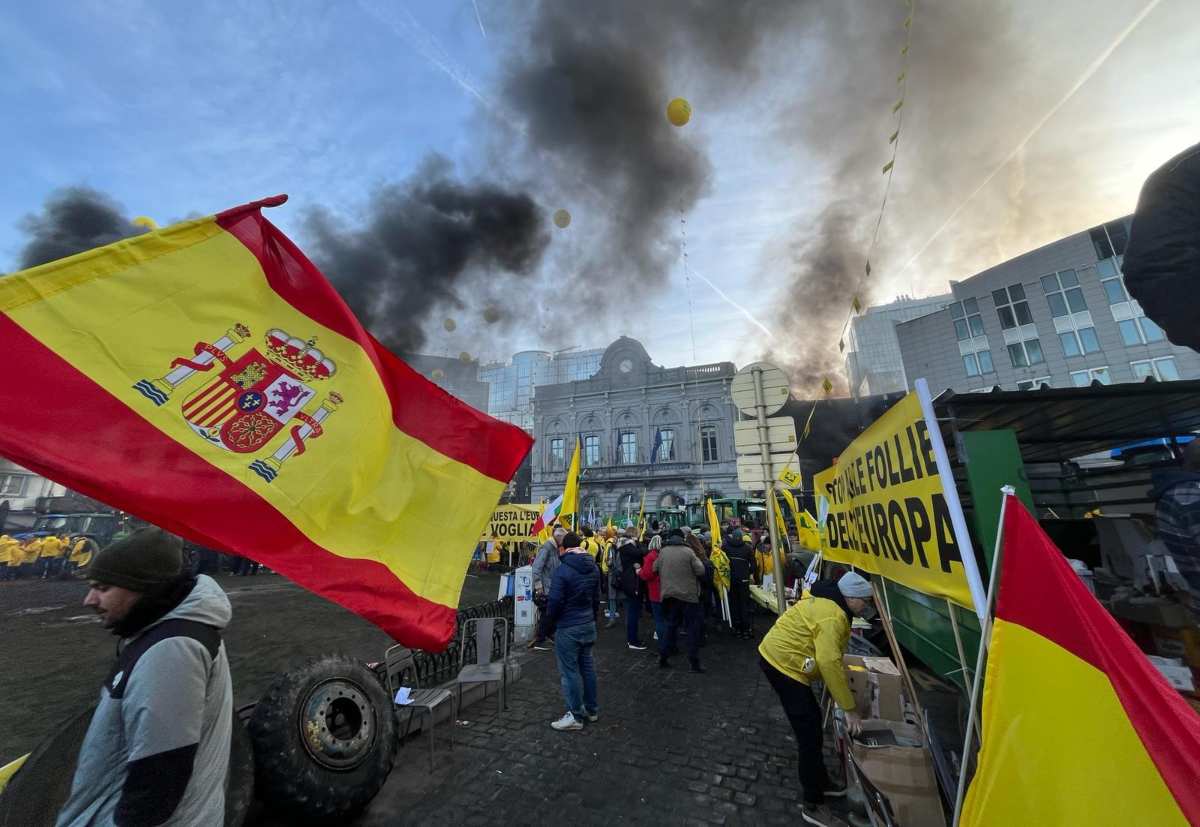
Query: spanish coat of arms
x=256 y=396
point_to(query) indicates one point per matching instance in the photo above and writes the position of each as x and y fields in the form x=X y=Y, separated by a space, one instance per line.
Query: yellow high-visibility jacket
x=815 y=629
x=32 y=550
x=52 y=547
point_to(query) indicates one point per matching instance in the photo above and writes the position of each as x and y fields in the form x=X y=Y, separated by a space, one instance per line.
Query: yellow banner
x=512 y=522
x=884 y=507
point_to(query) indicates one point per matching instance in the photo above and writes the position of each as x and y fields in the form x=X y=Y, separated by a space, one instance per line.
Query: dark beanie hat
x=675 y=532
x=147 y=558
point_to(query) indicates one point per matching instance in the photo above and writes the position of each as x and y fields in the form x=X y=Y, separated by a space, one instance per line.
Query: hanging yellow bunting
x=841 y=345
x=888 y=167
x=896 y=108
x=868 y=267
x=895 y=135
x=900 y=77
x=856 y=304
x=904 y=51
x=908 y=22
x=827 y=386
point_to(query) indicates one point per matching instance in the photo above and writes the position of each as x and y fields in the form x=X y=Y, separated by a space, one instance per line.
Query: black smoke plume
x=73 y=220
x=428 y=242
x=588 y=85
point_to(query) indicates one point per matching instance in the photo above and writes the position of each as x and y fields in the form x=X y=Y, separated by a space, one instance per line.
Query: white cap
x=854 y=585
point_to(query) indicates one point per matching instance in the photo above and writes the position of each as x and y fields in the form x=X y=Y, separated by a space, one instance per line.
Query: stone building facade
x=668 y=431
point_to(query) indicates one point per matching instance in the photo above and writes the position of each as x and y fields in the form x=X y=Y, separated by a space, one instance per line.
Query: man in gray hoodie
x=157 y=750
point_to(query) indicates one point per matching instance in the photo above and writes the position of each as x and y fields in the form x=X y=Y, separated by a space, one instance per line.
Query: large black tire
x=239 y=784
x=41 y=787
x=324 y=740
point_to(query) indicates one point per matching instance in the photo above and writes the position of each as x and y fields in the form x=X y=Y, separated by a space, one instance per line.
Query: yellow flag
x=641 y=528
x=856 y=304
x=570 y=503
x=779 y=521
x=714 y=525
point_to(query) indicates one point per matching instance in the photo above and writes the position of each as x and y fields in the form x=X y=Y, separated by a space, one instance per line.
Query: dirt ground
x=54 y=654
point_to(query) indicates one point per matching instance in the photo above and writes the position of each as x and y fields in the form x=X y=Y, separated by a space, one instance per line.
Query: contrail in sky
x=427 y=47
x=479 y=19
x=1084 y=78
x=749 y=317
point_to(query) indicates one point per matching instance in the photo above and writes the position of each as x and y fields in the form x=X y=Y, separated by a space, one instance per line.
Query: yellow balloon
x=146 y=221
x=464 y=356
x=437 y=374
x=562 y=219
x=679 y=112
x=449 y=325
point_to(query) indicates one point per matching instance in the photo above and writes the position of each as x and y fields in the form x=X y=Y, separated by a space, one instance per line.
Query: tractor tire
x=41 y=787
x=324 y=740
x=239 y=783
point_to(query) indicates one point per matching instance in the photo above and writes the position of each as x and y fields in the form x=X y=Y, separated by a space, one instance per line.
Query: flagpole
x=950 y=489
x=985 y=631
x=962 y=652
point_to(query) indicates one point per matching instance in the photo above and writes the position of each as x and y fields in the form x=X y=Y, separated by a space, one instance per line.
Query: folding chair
x=396 y=660
x=484 y=670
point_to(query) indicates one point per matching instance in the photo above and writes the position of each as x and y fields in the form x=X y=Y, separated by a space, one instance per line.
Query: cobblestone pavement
x=670 y=747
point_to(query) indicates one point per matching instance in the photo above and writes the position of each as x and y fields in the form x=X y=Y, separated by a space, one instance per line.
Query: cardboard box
x=896 y=761
x=877 y=686
x=1176 y=673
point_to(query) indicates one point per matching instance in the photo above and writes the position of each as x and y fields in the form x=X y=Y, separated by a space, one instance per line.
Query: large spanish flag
x=1078 y=727
x=207 y=378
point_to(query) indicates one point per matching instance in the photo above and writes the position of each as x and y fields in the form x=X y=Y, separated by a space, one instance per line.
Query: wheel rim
x=337 y=724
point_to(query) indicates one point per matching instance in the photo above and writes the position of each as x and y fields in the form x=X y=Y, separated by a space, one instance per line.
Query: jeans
x=660 y=621
x=678 y=613
x=573 y=648
x=804 y=714
x=633 y=613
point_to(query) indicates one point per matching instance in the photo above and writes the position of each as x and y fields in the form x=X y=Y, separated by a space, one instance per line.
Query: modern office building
x=459 y=377
x=22 y=488
x=1058 y=315
x=873 y=363
x=665 y=431
x=511 y=383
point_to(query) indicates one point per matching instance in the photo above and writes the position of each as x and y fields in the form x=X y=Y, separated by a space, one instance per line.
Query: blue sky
x=187 y=108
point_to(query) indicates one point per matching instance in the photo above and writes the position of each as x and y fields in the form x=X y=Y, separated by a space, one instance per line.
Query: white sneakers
x=566 y=723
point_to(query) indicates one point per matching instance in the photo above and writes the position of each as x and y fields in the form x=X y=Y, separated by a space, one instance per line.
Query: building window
x=1114 y=288
x=664 y=446
x=12 y=485
x=1139 y=331
x=1063 y=293
x=967 y=322
x=1024 y=354
x=1033 y=384
x=1079 y=342
x=1083 y=378
x=627 y=453
x=1110 y=239
x=977 y=364
x=1011 y=306
x=557 y=453
x=708 y=443
x=1164 y=370
x=591 y=450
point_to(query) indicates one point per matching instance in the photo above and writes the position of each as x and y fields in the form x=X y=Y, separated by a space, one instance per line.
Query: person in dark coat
x=1162 y=261
x=631 y=554
x=741 y=570
x=1177 y=494
x=571 y=611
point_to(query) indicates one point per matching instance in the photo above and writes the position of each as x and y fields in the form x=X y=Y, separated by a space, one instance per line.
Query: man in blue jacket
x=571 y=617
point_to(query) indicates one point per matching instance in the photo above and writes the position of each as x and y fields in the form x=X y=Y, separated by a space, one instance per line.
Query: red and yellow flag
x=1078 y=727
x=207 y=378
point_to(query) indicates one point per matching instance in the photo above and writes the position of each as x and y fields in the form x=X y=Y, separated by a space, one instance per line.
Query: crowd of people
x=42 y=558
x=659 y=584
x=670 y=576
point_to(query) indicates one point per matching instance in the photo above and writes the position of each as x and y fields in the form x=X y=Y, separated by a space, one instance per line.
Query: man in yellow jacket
x=53 y=548
x=808 y=642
